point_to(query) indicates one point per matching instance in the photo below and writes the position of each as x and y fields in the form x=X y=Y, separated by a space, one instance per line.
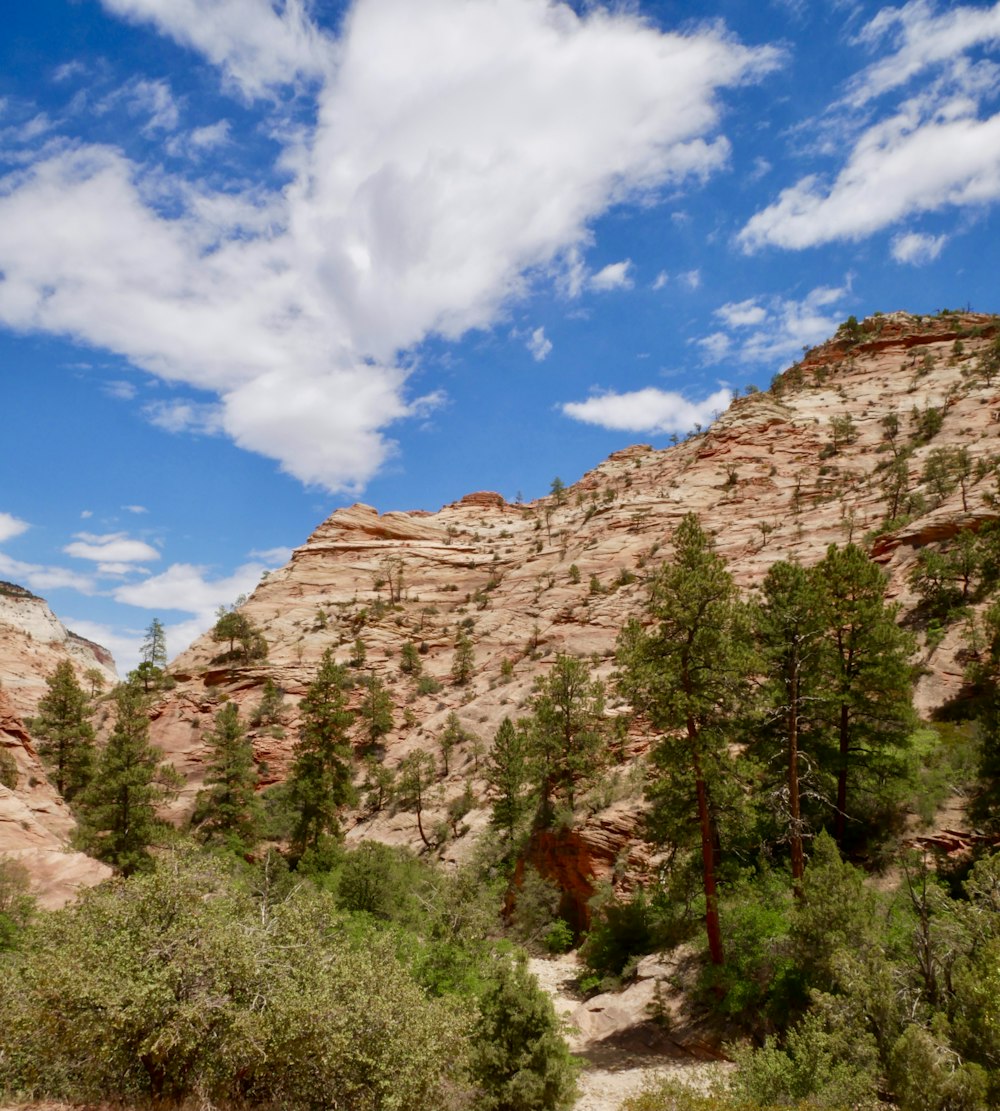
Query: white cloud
x=715 y=346
x=11 y=526
x=200 y=419
x=42 y=578
x=742 y=314
x=917 y=248
x=273 y=557
x=257 y=46
x=778 y=332
x=931 y=151
x=897 y=168
x=212 y=136
x=86 y=513
x=539 y=345
x=690 y=278
x=647 y=410
x=135 y=509
x=923 y=40
x=661 y=280
x=123 y=391
x=462 y=149
x=114 y=548
x=613 y=276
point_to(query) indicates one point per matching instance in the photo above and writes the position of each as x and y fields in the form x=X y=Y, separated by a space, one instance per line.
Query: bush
x=178 y=985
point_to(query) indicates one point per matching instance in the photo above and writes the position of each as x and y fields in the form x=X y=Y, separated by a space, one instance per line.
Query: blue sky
x=260 y=259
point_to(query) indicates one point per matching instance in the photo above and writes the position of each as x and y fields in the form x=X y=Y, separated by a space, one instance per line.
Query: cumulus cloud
x=934 y=150
x=539 y=345
x=647 y=410
x=616 y=275
x=916 y=248
x=773 y=330
x=113 y=550
x=11 y=526
x=461 y=150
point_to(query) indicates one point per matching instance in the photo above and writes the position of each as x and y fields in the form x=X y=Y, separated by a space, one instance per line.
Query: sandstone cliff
x=778 y=475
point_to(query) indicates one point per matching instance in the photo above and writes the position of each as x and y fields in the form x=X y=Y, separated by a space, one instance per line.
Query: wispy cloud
x=113 y=550
x=616 y=275
x=539 y=345
x=917 y=248
x=11 y=526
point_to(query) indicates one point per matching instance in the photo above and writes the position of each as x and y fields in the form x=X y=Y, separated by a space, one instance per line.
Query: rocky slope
x=35 y=824
x=33 y=641
x=777 y=476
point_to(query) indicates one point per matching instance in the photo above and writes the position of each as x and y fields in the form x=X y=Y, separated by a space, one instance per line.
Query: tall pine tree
x=320 y=783
x=228 y=809
x=871 y=679
x=118 y=819
x=64 y=732
x=688 y=675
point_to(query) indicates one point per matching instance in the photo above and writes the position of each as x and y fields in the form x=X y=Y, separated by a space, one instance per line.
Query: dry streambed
x=630 y=1038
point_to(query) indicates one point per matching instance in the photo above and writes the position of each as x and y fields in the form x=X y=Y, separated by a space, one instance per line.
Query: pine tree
x=375 y=711
x=118 y=819
x=416 y=777
x=871 y=676
x=320 y=781
x=688 y=675
x=66 y=737
x=228 y=809
x=790 y=627
x=453 y=734
x=508 y=774
x=463 y=663
x=154 y=646
x=566 y=731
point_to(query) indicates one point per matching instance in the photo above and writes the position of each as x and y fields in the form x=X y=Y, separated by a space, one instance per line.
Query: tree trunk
x=712 y=925
x=798 y=857
x=845 y=748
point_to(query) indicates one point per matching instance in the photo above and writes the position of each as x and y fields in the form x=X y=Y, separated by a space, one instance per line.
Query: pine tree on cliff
x=871 y=679
x=64 y=732
x=320 y=782
x=790 y=628
x=687 y=674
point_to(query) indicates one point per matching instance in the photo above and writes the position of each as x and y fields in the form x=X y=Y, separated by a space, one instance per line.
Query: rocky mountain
x=781 y=474
x=35 y=823
x=32 y=641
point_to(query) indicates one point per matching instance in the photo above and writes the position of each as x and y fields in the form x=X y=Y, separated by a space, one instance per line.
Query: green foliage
x=520 y=1061
x=8 y=769
x=619 y=931
x=689 y=675
x=565 y=732
x=463 y=663
x=271 y=709
x=64 y=732
x=246 y=642
x=320 y=782
x=509 y=776
x=417 y=774
x=180 y=986
x=453 y=734
x=427 y=684
x=375 y=711
x=118 y=820
x=409 y=659
x=17 y=905
x=228 y=810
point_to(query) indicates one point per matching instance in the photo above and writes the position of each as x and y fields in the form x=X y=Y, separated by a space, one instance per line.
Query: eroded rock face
x=563 y=574
x=33 y=641
x=35 y=823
